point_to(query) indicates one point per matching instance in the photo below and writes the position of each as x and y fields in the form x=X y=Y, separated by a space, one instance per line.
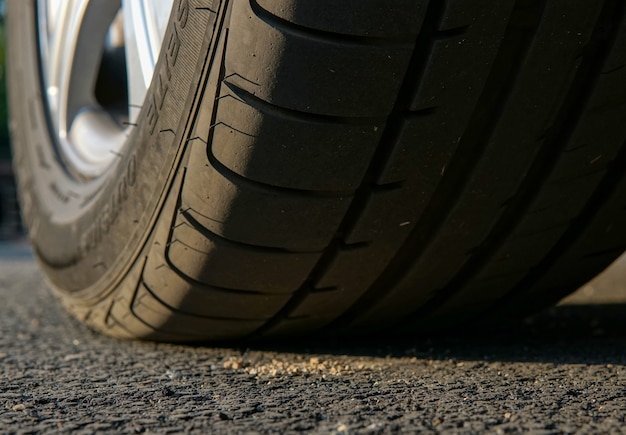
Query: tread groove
x=610 y=251
x=296 y=115
x=603 y=192
x=185 y=313
x=415 y=71
x=500 y=83
x=239 y=180
x=321 y=35
x=205 y=287
x=193 y=223
x=572 y=108
x=451 y=33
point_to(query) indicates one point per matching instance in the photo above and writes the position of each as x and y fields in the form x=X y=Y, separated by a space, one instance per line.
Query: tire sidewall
x=85 y=234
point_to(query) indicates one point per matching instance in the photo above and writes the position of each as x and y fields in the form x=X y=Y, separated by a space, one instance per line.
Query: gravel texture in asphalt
x=560 y=373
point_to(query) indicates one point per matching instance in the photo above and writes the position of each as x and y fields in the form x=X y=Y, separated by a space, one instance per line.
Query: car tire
x=349 y=165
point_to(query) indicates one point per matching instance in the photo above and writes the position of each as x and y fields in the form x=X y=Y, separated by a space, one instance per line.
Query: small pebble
x=167 y=392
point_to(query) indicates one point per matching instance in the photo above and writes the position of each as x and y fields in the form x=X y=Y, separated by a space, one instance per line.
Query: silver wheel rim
x=77 y=38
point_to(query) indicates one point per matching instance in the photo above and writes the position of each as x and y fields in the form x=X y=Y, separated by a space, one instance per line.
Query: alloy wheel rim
x=97 y=59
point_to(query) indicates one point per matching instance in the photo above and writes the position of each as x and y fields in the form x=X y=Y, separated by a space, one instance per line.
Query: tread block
x=349 y=272
x=474 y=298
x=340 y=285
x=278 y=148
x=204 y=301
x=250 y=213
x=300 y=81
x=320 y=309
x=292 y=326
x=121 y=322
x=459 y=65
x=595 y=247
x=463 y=13
x=218 y=262
x=557 y=205
x=372 y=18
x=423 y=149
x=162 y=318
x=386 y=221
x=515 y=255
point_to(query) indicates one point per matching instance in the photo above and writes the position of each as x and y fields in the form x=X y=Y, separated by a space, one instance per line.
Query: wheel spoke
x=145 y=22
x=77 y=30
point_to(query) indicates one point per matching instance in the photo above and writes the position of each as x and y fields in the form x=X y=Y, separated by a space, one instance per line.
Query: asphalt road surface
x=563 y=372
